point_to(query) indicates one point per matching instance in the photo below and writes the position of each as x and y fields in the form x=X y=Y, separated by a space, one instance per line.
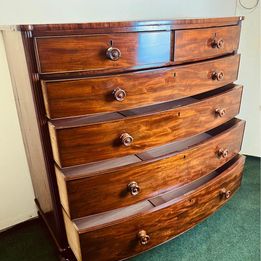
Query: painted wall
x=16 y=194
x=249 y=76
x=48 y=11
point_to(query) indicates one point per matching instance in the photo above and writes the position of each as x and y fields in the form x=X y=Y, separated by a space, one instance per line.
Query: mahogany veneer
x=129 y=128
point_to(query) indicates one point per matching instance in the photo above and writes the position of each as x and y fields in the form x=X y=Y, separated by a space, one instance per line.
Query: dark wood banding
x=128 y=26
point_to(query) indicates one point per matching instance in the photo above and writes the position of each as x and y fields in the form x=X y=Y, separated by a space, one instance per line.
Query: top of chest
x=99 y=48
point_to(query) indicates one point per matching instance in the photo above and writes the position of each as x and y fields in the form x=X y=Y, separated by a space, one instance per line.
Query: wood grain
x=88 y=52
x=119 y=237
x=94 y=142
x=128 y=26
x=79 y=198
x=68 y=98
x=191 y=45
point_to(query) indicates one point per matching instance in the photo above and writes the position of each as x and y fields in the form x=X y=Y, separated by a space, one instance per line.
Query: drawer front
x=123 y=238
x=94 y=142
x=125 y=91
x=198 y=44
x=113 y=189
x=105 y=52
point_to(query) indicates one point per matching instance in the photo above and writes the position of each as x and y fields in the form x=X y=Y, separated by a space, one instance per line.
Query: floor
x=233 y=233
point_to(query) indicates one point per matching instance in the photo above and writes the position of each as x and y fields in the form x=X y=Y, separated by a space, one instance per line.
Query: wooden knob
x=119 y=94
x=219 y=76
x=225 y=193
x=126 y=139
x=220 y=112
x=133 y=188
x=113 y=53
x=143 y=237
x=223 y=153
x=217 y=43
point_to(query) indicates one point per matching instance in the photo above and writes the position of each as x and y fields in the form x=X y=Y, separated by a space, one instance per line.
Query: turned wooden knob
x=225 y=193
x=113 y=53
x=119 y=94
x=143 y=237
x=126 y=139
x=133 y=188
x=219 y=76
x=220 y=112
x=217 y=43
x=223 y=153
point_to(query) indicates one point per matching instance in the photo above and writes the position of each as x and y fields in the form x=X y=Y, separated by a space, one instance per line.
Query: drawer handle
x=133 y=188
x=217 y=43
x=143 y=237
x=225 y=193
x=113 y=53
x=220 y=112
x=119 y=94
x=126 y=139
x=223 y=153
x=219 y=76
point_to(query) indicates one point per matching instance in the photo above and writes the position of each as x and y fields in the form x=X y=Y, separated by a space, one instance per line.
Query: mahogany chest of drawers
x=129 y=128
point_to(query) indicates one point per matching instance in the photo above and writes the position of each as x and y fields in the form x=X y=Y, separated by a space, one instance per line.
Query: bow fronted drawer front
x=89 y=139
x=128 y=180
x=128 y=231
x=111 y=93
x=99 y=53
x=199 y=44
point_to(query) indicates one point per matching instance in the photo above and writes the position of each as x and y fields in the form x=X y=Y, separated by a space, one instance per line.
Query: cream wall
x=16 y=194
x=249 y=76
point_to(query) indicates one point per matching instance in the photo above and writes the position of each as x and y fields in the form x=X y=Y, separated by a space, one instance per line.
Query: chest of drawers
x=129 y=128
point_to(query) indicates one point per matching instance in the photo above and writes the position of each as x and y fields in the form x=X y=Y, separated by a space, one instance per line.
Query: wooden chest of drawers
x=130 y=128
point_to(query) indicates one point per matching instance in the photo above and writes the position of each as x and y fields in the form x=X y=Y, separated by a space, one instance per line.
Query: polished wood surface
x=74 y=145
x=75 y=97
x=191 y=45
x=140 y=115
x=152 y=176
x=160 y=223
x=78 y=53
x=128 y=26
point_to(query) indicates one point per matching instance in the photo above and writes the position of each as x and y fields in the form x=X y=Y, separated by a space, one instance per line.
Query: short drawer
x=199 y=44
x=104 y=52
x=69 y=98
x=173 y=165
x=128 y=231
x=80 y=141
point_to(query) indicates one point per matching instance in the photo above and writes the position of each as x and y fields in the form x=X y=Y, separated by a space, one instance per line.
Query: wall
x=249 y=76
x=15 y=188
x=48 y=11
x=16 y=193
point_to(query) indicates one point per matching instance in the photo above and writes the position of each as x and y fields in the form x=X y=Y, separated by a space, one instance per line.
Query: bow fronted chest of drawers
x=129 y=128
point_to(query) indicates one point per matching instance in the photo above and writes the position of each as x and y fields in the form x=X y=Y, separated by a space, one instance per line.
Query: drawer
x=79 y=141
x=103 y=52
x=199 y=44
x=117 y=185
x=69 y=98
x=128 y=231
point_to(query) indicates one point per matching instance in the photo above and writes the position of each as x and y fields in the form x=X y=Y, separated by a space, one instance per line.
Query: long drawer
x=198 y=44
x=79 y=141
x=103 y=52
x=128 y=231
x=70 y=98
x=105 y=186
